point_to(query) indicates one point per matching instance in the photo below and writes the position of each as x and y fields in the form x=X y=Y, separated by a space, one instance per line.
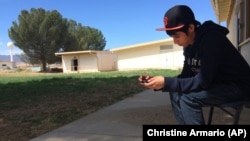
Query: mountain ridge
x=7 y=58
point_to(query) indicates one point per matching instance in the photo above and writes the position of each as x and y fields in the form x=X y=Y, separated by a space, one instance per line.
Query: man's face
x=182 y=39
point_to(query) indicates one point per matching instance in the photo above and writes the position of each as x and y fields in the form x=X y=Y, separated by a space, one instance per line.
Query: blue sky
x=122 y=22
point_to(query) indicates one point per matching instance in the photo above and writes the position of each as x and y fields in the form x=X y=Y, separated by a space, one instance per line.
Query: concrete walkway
x=123 y=121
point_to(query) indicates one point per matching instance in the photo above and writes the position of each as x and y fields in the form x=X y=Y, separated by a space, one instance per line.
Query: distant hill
x=7 y=58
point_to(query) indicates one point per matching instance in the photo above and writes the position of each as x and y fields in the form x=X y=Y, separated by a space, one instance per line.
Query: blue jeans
x=187 y=107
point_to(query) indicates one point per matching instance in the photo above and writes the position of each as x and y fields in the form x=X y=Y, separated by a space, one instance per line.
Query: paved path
x=123 y=121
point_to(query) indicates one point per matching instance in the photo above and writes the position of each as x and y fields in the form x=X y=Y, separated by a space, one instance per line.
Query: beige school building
x=161 y=54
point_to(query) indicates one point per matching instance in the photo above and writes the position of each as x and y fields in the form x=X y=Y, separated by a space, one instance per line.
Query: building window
x=166 y=47
x=244 y=21
x=247 y=6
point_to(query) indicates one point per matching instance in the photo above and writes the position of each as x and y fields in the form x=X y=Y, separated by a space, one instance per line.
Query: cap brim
x=172 y=28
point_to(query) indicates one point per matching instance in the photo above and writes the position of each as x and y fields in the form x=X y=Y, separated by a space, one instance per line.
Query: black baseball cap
x=176 y=17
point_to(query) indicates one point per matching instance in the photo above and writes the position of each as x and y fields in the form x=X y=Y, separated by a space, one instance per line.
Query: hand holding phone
x=145 y=78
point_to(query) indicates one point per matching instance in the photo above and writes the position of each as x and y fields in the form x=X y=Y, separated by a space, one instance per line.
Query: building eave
x=77 y=52
x=223 y=9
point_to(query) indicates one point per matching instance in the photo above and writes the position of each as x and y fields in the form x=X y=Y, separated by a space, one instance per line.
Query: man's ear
x=191 y=28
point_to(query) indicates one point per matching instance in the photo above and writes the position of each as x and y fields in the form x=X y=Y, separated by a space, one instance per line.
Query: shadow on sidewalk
x=123 y=120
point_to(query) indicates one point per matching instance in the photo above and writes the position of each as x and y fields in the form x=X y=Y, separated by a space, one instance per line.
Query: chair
x=236 y=106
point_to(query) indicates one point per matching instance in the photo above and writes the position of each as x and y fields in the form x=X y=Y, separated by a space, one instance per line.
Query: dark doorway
x=74 y=65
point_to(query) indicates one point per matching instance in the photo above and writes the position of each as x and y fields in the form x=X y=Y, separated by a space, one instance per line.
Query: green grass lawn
x=32 y=104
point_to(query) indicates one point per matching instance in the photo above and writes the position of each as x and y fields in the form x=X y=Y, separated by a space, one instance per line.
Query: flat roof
x=78 y=52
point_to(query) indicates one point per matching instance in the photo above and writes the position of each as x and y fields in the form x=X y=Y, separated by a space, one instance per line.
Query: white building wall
x=107 y=61
x=150 y=57
x=245 y=51
x=232 y=26
x=137 y=58
x=141 y=62
x=233 y=35
x=7 y=65
x=178 y=59
x=86 y=63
